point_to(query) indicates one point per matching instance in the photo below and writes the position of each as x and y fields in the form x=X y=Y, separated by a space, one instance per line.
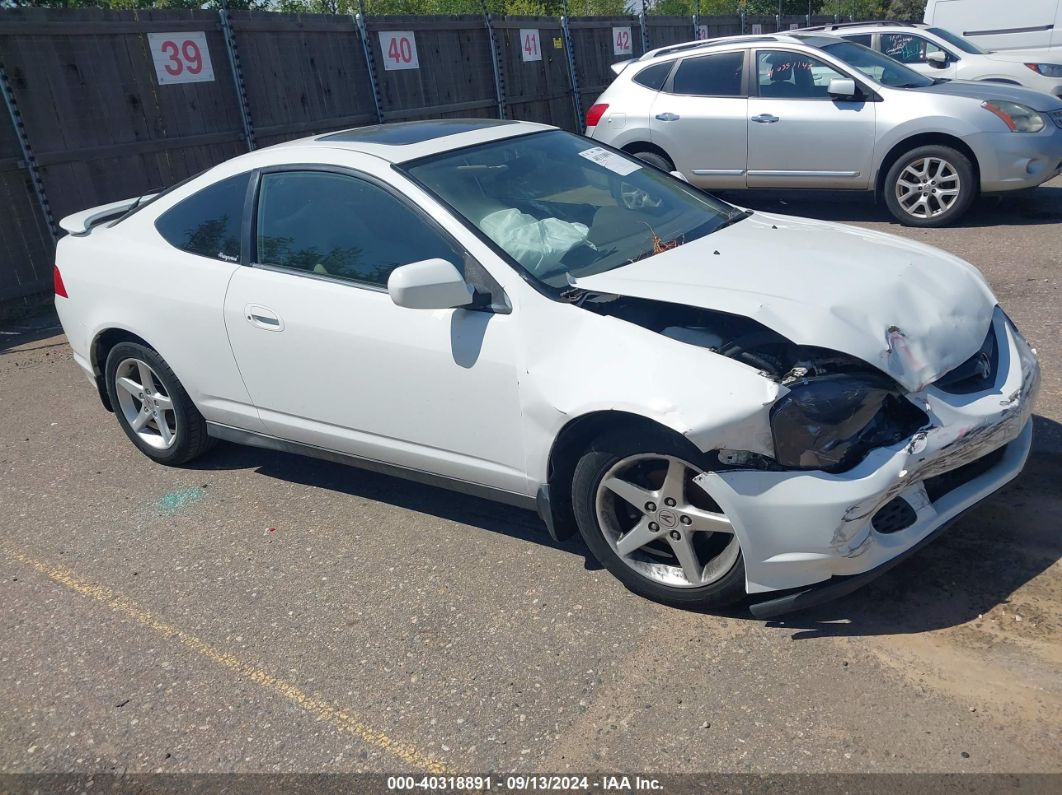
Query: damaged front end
x=834 y=409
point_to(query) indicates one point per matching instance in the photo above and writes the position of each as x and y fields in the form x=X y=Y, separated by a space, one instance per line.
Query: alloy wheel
x=928 y=187
x=663 y=525
x=145 y=404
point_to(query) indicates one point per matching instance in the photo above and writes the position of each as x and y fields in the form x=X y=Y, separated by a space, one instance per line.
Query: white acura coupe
x=722 y=402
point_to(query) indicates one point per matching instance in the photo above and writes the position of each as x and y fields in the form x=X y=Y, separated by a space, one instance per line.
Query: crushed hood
x=984 y=89
x=908 y=309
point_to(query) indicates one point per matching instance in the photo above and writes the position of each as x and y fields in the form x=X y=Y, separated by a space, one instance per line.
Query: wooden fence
x=89 y=115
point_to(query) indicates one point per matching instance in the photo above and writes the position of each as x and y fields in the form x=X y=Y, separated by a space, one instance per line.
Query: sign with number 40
x=399 y=48
x=181 y=57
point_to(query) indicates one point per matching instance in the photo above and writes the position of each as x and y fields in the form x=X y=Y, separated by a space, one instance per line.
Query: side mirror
x=428 y=284
x=937 y=59
x=841 y=88
x=679 y=175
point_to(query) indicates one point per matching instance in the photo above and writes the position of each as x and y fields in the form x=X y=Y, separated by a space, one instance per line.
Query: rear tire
x=930 y=186
x=656 y=161
x=153 y=407
x=665 y=539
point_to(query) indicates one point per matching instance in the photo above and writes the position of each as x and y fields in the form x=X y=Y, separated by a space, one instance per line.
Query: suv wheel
x=656 y=161
x=152 y=407
x=645 y=520
x=930 y=186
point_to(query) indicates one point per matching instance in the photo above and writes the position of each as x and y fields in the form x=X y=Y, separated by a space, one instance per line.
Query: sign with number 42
x=399 y=48
x=529 y=47
x=181 y=57
x=621 y=41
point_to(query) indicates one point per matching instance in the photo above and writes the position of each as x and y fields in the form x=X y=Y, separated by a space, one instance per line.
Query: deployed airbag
x=537 y=245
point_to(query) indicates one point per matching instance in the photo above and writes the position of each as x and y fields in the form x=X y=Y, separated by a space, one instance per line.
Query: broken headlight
x=833 y=421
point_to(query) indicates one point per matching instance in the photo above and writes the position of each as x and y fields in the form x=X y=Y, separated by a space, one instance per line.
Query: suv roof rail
x=690 y=45
x=868 y=24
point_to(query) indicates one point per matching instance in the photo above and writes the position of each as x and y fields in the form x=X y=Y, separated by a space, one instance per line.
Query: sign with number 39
x=181 y=57
x=399 y=49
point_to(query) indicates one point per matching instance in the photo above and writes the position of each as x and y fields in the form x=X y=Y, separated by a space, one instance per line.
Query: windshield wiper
x=733 y=219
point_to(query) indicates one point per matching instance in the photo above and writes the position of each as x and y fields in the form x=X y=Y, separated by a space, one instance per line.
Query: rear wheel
x=930 y=186
x=152 y=406
x=656 y=161
x=648 y=523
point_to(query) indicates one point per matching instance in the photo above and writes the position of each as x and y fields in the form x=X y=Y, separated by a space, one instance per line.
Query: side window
x=859 y=38
x=341 y=226
x=907 y=48
x=208 y=223
x=792 y=75
x=655 y=76
x=716 y=75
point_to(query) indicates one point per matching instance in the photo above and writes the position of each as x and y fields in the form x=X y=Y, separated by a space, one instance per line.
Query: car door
x=799 y=136
x=700 y=119
x=912 y=50
x=331 y=361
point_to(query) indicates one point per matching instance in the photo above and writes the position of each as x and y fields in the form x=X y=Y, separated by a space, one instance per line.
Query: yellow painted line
x=321 y=709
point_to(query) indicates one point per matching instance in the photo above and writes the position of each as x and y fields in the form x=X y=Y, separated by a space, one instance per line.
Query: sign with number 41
x=181 y=57
x=529 y=47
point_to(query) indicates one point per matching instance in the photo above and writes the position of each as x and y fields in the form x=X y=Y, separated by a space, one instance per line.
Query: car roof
x=399 y=142
x=788 y=37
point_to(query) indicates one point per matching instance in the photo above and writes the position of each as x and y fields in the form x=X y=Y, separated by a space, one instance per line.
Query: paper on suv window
x=610 y=160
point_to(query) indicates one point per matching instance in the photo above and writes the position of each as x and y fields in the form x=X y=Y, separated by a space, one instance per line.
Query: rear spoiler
x=81 y=223
x=619 y=66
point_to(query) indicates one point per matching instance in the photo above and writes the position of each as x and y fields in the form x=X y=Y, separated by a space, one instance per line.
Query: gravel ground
x=264 y=612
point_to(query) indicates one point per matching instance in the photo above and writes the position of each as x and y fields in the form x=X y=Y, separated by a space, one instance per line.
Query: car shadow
x=977 y=564
x=365 y=485
x=1039 y=206
x=32 y=328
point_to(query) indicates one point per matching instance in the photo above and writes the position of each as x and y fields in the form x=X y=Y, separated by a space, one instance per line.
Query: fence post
x=645 y=33
x=569 y=54
x=27 y=153
x=366 y=47
x=237 y=77
x=495 y=65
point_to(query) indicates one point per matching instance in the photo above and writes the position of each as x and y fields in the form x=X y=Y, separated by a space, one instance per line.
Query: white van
x=997 y=25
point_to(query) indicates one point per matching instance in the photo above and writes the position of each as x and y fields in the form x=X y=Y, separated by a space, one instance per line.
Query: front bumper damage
x=813 y=531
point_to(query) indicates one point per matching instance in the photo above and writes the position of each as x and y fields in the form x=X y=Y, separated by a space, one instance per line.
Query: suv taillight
x=57 y=279
x=593 y=116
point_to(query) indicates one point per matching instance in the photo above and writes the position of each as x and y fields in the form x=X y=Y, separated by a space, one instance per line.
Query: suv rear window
x=717 y=75
x=655 y=76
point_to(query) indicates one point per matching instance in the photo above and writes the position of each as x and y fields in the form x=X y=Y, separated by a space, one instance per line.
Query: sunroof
x=412 y=132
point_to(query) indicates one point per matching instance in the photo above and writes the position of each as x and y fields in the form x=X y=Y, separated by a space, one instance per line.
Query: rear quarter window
x=654 y=76
x=209 y=222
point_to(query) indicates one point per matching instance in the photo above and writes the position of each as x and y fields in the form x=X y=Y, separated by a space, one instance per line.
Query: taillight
x=593 y=116
x=57 y=278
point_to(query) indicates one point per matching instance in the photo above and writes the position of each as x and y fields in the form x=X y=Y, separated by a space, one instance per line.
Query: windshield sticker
x=610 y=160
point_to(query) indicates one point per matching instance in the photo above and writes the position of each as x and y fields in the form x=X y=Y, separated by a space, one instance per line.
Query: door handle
x=765 y=118
x=667 y=117
x=263 y=317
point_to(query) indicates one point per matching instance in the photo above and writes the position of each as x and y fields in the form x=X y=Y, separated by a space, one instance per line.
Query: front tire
x=153 y=407
x=645 y=520
x=930 y=186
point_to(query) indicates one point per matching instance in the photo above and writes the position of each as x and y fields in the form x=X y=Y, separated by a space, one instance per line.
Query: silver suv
x=816 y=111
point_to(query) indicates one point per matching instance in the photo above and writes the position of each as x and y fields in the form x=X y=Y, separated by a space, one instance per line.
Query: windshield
x=876 y=66
x=560 y=205
x=957 y=41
